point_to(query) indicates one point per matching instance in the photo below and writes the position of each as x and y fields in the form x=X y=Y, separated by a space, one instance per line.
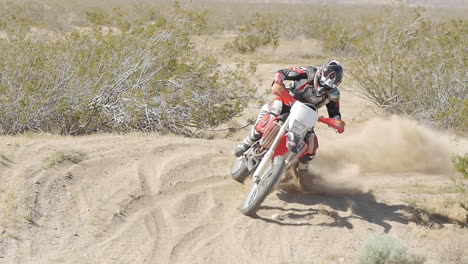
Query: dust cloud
x=383 y=146
x=393 y=145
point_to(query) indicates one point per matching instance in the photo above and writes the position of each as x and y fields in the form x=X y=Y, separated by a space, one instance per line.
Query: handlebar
x=334 y=123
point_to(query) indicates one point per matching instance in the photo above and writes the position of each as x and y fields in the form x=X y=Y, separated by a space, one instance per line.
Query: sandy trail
x=146 y=198
x=150 y=199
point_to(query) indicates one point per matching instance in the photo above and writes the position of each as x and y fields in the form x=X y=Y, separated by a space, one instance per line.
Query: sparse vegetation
x=140 y=75
x=75 y=70
x=64 y=157
x=461 y=164
x=15 y=208
x=432 y=206
x=435 y=210
x=261 y=31
x=408 y=64
x=384 y=249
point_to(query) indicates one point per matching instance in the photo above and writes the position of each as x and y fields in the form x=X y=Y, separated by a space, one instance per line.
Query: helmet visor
x=333 y=73
x=327 y=83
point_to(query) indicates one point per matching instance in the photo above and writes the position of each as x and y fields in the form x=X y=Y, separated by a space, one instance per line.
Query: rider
x=317 y=86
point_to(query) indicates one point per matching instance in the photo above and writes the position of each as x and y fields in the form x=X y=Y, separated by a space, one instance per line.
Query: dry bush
x=260 y=31
x=142 y=75
x=64 y=157
x=461 y=164
x=411 y=65
x=336 y=30
x=384 y=249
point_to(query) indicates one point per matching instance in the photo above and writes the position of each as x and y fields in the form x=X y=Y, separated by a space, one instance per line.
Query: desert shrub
x=461 y=164
x=454 y=114
x=262 y=30
x=410 y=65
x=64 y=157
x=66 y=14
x=336 y=31
x=147 y=76
x=383 y=249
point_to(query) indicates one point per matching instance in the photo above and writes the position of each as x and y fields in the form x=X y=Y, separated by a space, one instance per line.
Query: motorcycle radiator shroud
x=303 y=118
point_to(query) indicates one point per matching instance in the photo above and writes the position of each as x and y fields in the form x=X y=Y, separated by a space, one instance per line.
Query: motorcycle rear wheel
x=239 y=170
x=261 y=189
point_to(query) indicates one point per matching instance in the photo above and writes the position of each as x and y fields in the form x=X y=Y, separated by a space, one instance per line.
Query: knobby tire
x=260 y=190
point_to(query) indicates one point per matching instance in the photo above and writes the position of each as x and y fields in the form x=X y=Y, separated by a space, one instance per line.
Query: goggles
x=327 y=83
x=327 y=79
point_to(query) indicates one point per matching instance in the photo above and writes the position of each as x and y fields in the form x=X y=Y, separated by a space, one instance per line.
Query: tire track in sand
x=180 y=178
x=191 y=180
x=175 y=204
x=170 y=194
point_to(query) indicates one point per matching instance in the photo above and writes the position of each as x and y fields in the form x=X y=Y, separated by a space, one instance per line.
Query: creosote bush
x=461 y=164
x=126 y=76
x=262 y=30
x=63 y=157
x=411 y=65
x=383 y=249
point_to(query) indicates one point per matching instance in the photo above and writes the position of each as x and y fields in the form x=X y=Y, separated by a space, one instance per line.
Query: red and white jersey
x=302 y=89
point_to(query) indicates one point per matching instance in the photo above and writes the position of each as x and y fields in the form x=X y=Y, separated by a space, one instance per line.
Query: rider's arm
x=333 y=107
x=293 y=74
x=278 y=86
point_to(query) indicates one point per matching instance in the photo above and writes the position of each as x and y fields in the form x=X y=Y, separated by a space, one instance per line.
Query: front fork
x=269 y=155
x=290 y=157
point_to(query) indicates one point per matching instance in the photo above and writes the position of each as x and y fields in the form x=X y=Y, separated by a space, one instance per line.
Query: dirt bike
x=285 y=139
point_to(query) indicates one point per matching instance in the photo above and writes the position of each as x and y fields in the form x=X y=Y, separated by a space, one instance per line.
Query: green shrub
x=97 y=18
x=461 y=164
x=455 y=114
x=146 y=76
x=411 y=65
x=64 y=157
x=259 y=32
x=337 y=32
x=383 y=249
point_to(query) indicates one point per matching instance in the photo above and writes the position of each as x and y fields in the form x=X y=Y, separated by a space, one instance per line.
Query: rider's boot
x=247 y=143
x=303 y=165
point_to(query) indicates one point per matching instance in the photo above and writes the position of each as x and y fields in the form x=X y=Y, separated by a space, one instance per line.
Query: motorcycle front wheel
x=262 y=188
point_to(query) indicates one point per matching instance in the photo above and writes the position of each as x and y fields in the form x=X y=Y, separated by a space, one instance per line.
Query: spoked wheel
x=239 y=171
x=262 y=188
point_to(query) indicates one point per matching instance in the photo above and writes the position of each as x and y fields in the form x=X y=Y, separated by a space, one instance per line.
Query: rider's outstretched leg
x=247 y=143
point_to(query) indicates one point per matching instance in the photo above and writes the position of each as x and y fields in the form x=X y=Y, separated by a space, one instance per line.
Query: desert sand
x=151 y=198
